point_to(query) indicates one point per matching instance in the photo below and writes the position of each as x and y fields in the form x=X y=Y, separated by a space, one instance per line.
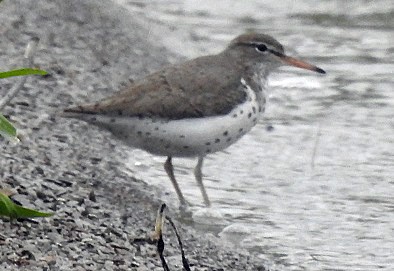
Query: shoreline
x=74 y=169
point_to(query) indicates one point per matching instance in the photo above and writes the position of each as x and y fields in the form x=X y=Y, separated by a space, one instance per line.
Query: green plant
x=7 y=206
x=12 y=210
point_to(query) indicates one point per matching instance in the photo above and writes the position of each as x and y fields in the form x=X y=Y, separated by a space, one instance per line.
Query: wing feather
x=174 y=93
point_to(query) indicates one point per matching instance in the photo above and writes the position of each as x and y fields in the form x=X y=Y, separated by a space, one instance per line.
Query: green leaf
x=21 y=72
x=10 y=209
x=7 y=129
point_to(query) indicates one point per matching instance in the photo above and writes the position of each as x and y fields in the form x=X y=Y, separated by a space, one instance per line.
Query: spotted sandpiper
x=194 y=108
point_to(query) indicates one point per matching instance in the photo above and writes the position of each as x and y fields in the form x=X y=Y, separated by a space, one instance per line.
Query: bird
x=195 y=108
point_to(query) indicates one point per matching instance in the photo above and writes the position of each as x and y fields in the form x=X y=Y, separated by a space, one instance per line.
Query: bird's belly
x=186 y=137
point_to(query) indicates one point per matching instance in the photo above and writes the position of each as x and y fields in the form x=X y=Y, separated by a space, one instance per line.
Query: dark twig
x=160 y=249
x=160 y=243
x=184 y=260
x=159 y=233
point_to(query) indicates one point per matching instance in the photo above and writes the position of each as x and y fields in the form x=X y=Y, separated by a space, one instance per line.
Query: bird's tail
x=83 y=112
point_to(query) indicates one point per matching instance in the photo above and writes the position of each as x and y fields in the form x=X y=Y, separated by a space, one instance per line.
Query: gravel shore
x=102 y=216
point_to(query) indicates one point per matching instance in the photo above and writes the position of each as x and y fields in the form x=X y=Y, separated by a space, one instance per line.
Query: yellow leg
x=170 y=172
x=198 y=175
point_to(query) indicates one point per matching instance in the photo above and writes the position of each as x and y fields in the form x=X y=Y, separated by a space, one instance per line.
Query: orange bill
x=300 y=64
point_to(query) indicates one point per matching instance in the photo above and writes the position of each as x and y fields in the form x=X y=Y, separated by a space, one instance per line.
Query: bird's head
x=265 y=52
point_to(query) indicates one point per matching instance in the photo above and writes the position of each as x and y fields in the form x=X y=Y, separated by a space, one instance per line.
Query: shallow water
x=316 y=191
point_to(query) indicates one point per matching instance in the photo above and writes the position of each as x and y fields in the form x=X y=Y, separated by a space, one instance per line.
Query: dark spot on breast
x=241 y=112
x=185 y=147
x=225 y=133
x=161 y=140
x=235 y=115
x=255 y=120
x=147 y=133
x=249 y=115
x=229 y=139
x=241 y=130
x=254 y=109
x=208 y=143
x=259 y=108
x=217 y=140
x=156 y=128
x=120 y=112
x=182 y=136
x=113 y=120
x=139 y=133
x=93 y=119
x=208 y=151
x=167 y=146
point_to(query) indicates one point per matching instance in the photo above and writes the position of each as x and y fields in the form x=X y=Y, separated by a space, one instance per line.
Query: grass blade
x=22 y=72
x=7 y=129
x=10 y=209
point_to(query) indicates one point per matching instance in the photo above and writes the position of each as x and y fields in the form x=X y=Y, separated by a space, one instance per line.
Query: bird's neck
x=255 y=74
x=256 y=78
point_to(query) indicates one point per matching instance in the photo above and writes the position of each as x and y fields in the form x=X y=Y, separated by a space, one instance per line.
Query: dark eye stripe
x=275 y=53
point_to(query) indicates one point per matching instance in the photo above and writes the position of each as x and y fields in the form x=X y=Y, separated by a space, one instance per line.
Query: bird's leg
x=198 y=175
x=170 y=172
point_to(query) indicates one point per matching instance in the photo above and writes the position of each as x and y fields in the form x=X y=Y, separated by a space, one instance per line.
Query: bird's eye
x=261 y=47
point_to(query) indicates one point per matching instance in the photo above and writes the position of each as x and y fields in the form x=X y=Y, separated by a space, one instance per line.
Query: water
x=316 y=192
